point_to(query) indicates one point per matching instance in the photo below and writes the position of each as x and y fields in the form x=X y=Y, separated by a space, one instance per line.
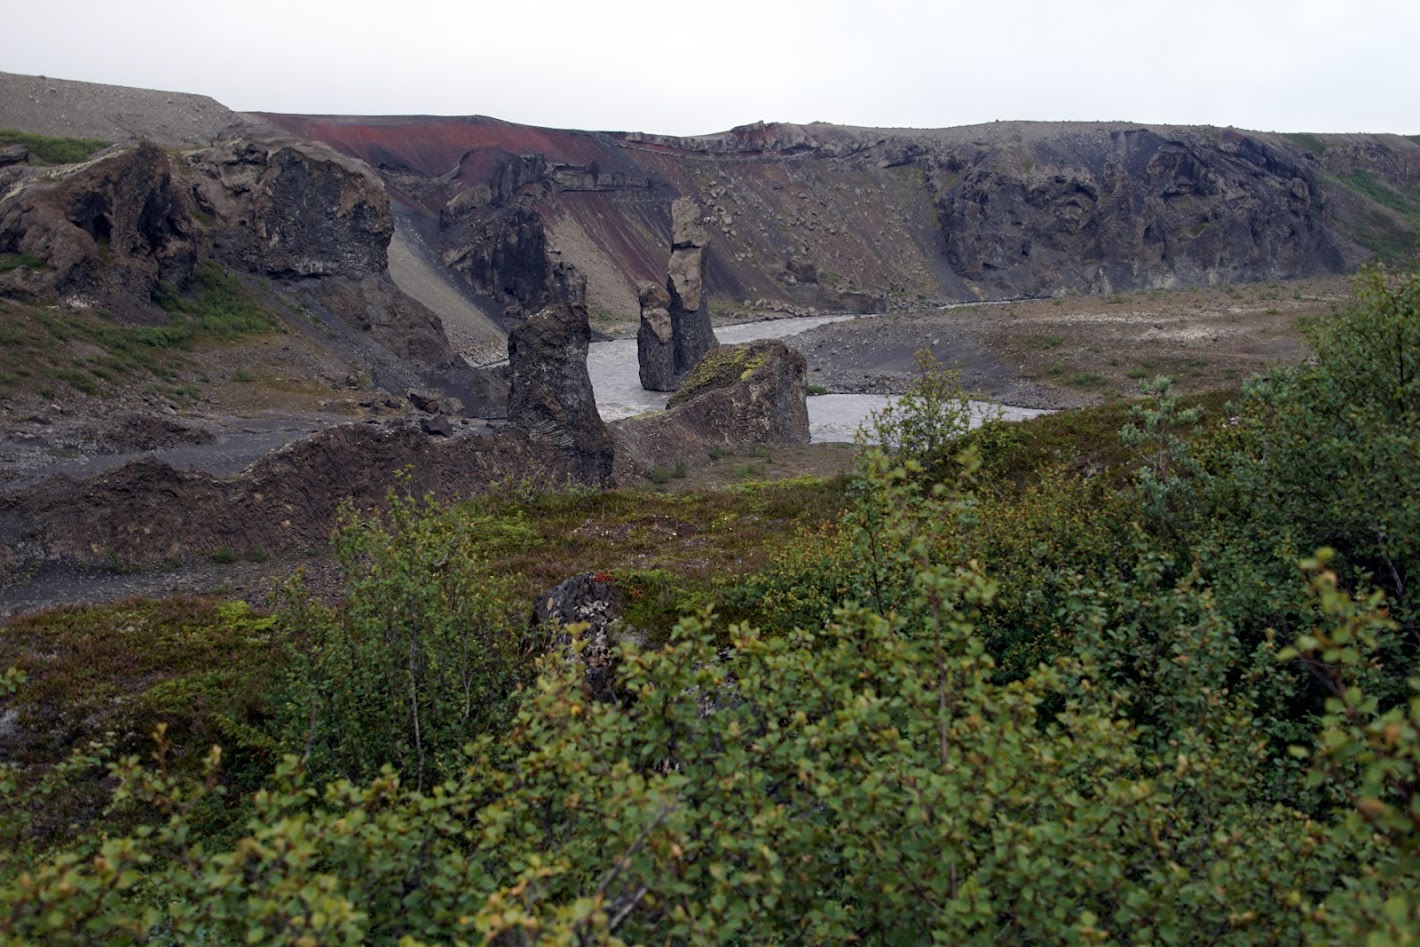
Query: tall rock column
x=550 y=397
x=655 y=342
x=691 y=334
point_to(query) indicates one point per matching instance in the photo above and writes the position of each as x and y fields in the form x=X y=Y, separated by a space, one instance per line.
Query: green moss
x=14 y=261
x=191 y=664
x=1309 y=143
x=49 y=150
x=721 y=367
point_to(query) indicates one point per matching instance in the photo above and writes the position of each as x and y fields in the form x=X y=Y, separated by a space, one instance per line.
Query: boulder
x=737 y=396
x=590 y=600
x=655 y=341
x=13 y=154
x=435 y=404
x=550 y=396
x=436 y=425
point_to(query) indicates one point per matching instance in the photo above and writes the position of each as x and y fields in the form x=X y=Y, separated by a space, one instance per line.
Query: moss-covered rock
x=724 y=366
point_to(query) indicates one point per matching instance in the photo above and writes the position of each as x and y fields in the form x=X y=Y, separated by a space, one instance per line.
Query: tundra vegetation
x=1141 y=674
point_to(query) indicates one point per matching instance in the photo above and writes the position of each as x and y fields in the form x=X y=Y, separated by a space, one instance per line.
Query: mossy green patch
x=113 y=672
x=51 y=150
x=721 y=367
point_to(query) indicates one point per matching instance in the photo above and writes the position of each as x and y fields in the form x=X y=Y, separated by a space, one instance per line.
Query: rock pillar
x=550 y=397
x=690 y=316
x=655 y=342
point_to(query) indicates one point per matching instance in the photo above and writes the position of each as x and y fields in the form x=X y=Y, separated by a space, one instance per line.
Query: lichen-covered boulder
x=737 y=396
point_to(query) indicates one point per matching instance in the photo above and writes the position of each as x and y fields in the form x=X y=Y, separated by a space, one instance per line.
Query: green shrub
x=420 y=658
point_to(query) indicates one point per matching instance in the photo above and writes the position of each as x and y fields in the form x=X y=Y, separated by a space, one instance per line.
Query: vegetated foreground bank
x=1038 y=683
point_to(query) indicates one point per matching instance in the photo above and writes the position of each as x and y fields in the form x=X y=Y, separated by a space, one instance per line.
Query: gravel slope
x=63 y=108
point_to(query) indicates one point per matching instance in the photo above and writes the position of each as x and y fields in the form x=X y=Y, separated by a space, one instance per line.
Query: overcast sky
x=685 y=67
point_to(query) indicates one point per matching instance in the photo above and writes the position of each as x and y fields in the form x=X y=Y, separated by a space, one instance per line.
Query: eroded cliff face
x=1134 y=208
x=827 y=217
x=117 y=233
x=289 y=211
x=102 y=236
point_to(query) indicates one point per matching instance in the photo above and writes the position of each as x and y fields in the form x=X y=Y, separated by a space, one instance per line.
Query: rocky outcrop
x=103 y=235
x=877 y=218
x=592 y=601
x=147 y=511
x=504 y=258
x=655 y=340
x=739 y=395
x=292 y=211
x=1138 y=209
x=550 y=396
x=691 y=333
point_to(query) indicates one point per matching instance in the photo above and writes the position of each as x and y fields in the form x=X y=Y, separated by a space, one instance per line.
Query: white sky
x=696 y=66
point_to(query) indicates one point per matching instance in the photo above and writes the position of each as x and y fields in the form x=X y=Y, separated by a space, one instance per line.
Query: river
x=616 y=382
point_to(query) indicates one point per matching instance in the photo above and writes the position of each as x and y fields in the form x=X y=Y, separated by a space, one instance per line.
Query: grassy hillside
x=1142 y=673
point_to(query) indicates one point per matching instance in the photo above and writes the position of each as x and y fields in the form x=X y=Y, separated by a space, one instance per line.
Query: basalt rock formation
x=675 y=328
x=118 y=233
x=691 y=334
x=550 y=396
x=147 y=511
x=293 y=211
x=655 y=339
x=103 y=236
x=738 y=395
x=827 y=217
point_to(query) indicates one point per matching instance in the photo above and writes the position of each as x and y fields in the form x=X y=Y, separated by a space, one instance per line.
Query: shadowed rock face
x=293 y=211
x=855 y=218
x=550 y=396
x=107 y=234
x=1136 y=208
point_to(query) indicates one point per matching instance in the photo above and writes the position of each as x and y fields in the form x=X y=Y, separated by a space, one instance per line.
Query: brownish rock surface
x=739 y=395
x=655 y=339
x=147 y=511
x=106 y=234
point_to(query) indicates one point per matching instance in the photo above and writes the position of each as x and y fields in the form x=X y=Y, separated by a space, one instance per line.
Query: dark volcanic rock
x=978 y=212
x=504 y=258
x=591 y=600
x=293 y=210
x=739 y=395
x=655 y=340
x=685 y=281
x=437 y=425
x=550 y=395
x=13 y=154
x=1136 y=209
x=147 y=511
x=106 y=233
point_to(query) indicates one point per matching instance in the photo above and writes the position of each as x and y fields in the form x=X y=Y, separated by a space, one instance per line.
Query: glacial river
x=616 y=382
